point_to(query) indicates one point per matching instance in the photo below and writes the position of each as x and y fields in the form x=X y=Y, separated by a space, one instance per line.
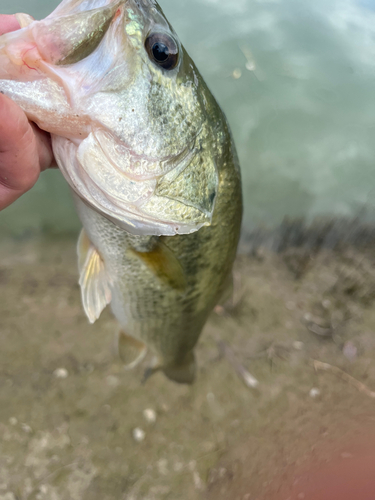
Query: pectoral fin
x=164 y=264
x=130 y=350
x=94 y=282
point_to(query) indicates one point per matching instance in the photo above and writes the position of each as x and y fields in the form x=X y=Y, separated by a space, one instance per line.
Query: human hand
x=25 y=150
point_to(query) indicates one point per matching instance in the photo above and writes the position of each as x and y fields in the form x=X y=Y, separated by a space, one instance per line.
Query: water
x=296 y=82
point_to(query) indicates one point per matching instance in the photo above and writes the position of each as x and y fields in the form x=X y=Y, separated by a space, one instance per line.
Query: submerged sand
x=73 y=424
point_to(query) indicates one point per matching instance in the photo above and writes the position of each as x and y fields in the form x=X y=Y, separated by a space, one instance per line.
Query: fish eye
x=162 y=50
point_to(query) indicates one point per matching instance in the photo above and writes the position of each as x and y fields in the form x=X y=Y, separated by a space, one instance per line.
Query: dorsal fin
x=93 y=279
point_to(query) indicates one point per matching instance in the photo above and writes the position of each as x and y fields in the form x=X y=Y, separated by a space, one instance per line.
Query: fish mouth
x=136 y=192
x=144 y=195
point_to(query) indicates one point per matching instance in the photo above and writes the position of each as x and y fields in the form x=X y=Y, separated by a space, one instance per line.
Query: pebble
x=8 y=496
x=237 y=73
x=112 y=381
x=297 y=345
x=314 y=392
x=192 y=465
x=26 y=428
x=150 y=415
x=139 y=434
x=13 y=421
x=210 y=397
x=162 y=466
x=177 y=466
x=61 y=373
x=197 y=481
x=350 y=351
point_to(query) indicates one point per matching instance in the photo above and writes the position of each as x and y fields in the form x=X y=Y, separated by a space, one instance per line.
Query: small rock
x=314 y=392
x=198 y=483
x=307 y=316
x=192 y=465
x=346 y=454
x=290 y=305
x=237 y=73
x=162 y=466
x=297 y=345
x=8 y=496
x=222 y=472
x=13 y=421
x=112 y=381
x=26 y=428
x=150 y=415
x=61 y=373
x=210 y=397
x=326 y=304
x=350 y=351
x=177 y=466
x=139 y=434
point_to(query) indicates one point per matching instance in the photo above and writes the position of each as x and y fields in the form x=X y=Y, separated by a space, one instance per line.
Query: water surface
x=296 y=81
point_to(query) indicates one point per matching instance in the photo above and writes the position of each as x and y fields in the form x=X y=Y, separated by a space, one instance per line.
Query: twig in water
x=319 y=365
x=241 y=371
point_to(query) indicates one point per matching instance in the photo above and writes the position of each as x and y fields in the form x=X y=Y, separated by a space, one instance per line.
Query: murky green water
x=296 y=80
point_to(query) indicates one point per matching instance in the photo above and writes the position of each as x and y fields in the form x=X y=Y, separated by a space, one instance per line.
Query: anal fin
x=93 y=280
x=130 y=350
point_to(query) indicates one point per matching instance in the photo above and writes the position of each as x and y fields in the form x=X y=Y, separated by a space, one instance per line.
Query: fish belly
x=167 y=320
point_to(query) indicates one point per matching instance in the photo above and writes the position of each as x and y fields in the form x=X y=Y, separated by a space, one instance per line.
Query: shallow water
x=296 y=82
x=75 y=425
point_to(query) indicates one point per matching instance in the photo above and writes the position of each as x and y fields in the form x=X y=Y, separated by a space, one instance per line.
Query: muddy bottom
x=283 y=407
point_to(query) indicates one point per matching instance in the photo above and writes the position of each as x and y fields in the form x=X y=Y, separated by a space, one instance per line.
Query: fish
x=151 y=162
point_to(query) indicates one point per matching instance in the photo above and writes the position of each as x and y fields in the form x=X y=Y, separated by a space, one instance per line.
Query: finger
x=8 y=24
x=19 y=152
x=44 y=148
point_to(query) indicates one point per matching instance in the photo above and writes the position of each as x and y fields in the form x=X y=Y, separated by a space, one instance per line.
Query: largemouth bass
x=151 y=162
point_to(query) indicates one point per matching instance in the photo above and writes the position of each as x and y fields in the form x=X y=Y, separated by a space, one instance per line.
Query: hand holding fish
x=25 y=150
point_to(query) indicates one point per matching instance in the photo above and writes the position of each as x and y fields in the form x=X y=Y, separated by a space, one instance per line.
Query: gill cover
x=129 y=136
